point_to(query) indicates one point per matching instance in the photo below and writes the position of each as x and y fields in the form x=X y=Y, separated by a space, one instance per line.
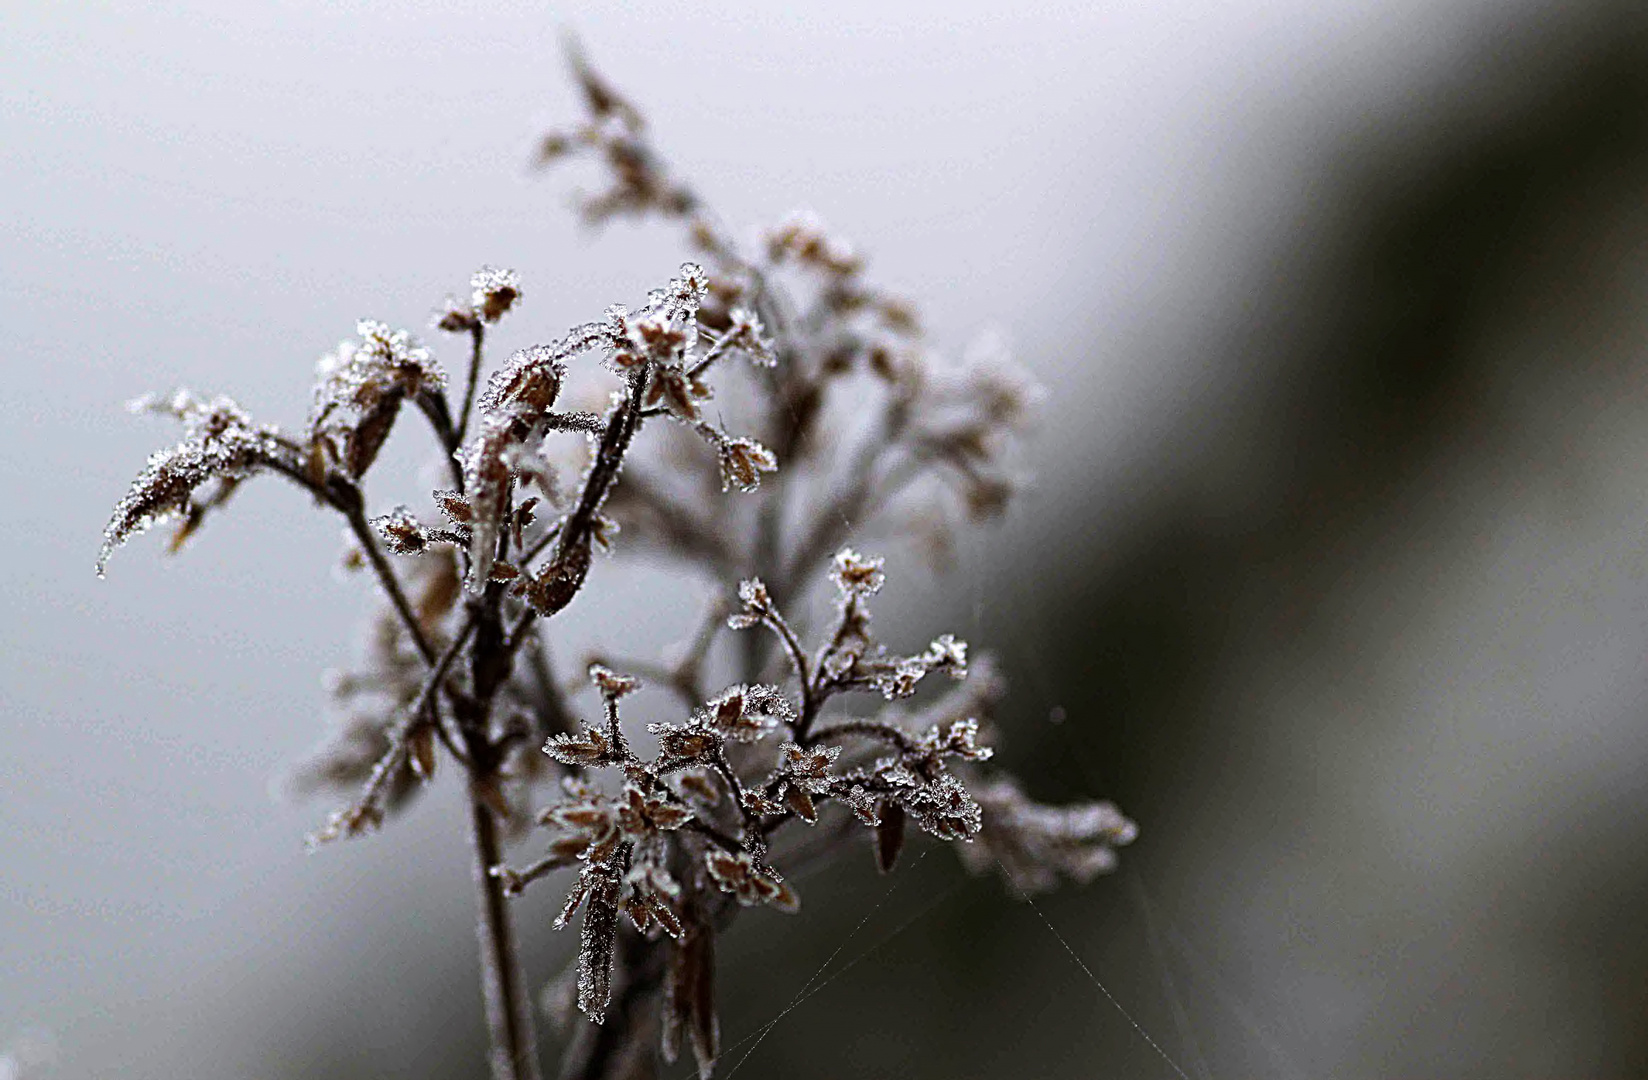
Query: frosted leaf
x=587 y=822
x=864 y=805
x=700 y=788
x=194 y=412
x=401 y=532
x=603 y=531
x=746 y=713
x=738 y=873
x=944 y=808
x=959 y=739
x=649 y=896
x=900 y=680
x=453 y=504
x=360 y=388
x=892 y=772
x=742 y=463
x=220 y=443
x=757 y=605
x=889 y=837
x=642 y=814
x=692 y=742
x=808 y=767
x=755 y=801
x=662 y=334
x=455 y=316
x=531 y=378
x=343 y=763
x=800 y=802
x=494 y=292
x=947 y=654
x=598 y=889
x=747 y=333
x=589 y=749
x=554 y=587
x=689 y=1001
x=532 y=467
x=804 y=238
x=856 y=575
x=678 y=391
x=1034 y=844
x=679 y=299
x=612 y=685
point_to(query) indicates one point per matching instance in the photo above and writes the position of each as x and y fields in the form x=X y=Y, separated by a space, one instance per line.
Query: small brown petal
x=889 y=836
x=420 y=747
x=802 y=803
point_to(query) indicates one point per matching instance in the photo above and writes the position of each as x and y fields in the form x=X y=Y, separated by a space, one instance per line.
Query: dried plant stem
x=424 y=705
x=508 y=1009
x=391 y=584
x=509 y=1016
x=477 y=338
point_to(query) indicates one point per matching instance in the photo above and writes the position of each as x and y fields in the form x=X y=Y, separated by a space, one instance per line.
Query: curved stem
x=391 y=584
x=477 y=336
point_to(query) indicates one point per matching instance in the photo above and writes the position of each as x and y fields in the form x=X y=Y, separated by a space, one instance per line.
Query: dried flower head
x=493 y=292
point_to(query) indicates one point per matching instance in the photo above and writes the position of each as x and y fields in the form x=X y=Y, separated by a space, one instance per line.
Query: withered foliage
x=844 y=426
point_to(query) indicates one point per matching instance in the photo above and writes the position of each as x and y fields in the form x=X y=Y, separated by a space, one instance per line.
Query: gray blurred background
x=1333 y=569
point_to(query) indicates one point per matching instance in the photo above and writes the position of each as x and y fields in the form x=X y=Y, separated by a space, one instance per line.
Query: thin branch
x=798 y=659
x=554 y=714
x=712 y=834
x=660 y=674
x=578 y=420
x=345 y=497
x=860 y=497
x=508 y=1010
x=537 y=547
x=477 y=337
x=432 y=403
x=366 y=808
x=869 y=729
x=386 y=577
x=516 y=881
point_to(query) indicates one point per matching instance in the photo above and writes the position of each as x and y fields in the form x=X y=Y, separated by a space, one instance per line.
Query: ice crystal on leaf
x=590 y=749
x=856 y=576
x=738 y=873
x=530 y=379
x=220 y=443
x=641 y=815
x=611 y=684
x=401 y=532
x=649 y=899
x=488 y=485
x=493 y=292
x=742 y=463
x=359 y=392
x=746 y=713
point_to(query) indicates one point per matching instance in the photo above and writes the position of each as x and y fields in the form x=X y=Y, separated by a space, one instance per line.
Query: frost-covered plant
x=843 y=423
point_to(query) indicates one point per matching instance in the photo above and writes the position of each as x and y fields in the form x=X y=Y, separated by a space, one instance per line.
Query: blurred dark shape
x=1362 y=373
